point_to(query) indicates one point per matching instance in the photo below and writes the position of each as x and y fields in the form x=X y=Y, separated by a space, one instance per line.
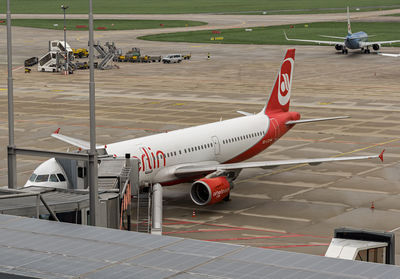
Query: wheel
x=346 y=51
x=227 y=198
x=179 y=61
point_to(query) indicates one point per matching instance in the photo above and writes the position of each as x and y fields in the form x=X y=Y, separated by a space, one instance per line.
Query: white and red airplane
x=211 y=155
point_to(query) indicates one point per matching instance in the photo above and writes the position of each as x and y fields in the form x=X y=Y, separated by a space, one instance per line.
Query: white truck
x=172 y=58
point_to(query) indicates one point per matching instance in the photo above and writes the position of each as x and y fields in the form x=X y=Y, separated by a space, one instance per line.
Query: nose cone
x=48 y=174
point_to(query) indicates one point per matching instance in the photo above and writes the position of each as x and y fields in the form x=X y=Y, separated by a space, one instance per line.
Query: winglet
x=381 y=155
x=56 y=131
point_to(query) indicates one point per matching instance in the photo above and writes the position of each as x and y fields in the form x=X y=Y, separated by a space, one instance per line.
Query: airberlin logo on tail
x=285 y=81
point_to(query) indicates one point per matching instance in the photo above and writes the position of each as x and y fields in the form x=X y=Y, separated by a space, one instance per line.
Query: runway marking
x=293 y=246
x=276 y=217
x=302 y=165
x=16 y=69
x=254 y=237
x=395 y=229
x=359 y=190
x=229 y=226
x=205 y=230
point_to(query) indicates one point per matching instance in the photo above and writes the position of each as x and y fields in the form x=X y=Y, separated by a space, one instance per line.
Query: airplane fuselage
x=353 y=40
x=228 y=141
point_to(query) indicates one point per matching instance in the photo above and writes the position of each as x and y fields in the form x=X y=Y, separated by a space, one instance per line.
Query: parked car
x=172 y=58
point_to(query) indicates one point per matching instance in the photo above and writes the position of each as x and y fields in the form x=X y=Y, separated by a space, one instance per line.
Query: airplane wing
x=333 y=37
x=85 y=145
x=316 y=41
x=365 y=44
x=185 y=171
x=389 y=54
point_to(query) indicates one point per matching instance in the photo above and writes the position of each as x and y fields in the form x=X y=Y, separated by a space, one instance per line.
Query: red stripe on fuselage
x=277 y=128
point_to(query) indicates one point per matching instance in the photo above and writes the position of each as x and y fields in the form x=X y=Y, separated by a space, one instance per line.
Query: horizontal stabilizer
x=244 y=113
x=291 y=122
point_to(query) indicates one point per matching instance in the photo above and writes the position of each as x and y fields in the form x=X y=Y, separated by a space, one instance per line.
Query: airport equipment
x=80 y=52
x=31 y=62
x=362 y=245
x=59 y=46
x=108 y=54
x=50 y=62
x=81 y=65
x=102 y=52
x=134 y=56
x=39 y=249
x=53 y=61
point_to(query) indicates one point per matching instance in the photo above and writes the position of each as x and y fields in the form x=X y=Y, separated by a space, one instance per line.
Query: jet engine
x=338 y=47
x=376 y=46
x=210 y=190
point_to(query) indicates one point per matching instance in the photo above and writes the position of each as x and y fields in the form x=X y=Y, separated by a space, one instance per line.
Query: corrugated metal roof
x=44 y=249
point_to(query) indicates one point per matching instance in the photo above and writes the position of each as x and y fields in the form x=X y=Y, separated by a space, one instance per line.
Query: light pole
x=63 y=7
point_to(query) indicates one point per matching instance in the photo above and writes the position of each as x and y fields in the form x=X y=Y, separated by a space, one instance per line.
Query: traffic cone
x=372 y=205
x=194 y=213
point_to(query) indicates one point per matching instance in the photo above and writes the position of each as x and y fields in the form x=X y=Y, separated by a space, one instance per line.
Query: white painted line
x=277 y=217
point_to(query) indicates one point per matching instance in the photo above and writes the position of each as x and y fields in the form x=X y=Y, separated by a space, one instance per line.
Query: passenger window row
x=243 y=137
x=188 y=150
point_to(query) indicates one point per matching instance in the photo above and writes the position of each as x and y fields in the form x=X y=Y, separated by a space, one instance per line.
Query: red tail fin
x=279 y=98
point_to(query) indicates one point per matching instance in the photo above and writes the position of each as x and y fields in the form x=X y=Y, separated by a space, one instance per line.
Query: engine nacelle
x=210 y=190
x=376 y=46
x=338 y=47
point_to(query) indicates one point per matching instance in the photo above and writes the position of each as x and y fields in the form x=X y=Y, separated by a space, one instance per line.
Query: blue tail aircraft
x=357 y=40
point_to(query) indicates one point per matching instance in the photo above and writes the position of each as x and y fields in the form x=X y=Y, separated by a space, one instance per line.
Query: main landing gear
x=345 y=51
x=365 y=50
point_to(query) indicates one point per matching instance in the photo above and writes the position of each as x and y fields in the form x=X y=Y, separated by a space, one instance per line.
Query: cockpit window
x=33 y=176
x=42 y=178
x=61 y=177
x=53 y=178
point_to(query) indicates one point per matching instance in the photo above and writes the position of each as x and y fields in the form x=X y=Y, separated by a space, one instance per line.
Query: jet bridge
x=362 y=245
x=45 y=196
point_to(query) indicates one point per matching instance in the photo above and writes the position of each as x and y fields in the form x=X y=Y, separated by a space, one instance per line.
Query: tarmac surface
x=294 y=208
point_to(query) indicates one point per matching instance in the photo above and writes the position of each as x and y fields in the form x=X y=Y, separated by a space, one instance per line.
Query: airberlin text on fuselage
x=151 y=160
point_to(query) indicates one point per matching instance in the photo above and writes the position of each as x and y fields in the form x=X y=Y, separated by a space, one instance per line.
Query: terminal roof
x=32 y=248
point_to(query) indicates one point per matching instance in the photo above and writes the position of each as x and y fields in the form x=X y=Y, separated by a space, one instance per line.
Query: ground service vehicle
x=80 y=52
x=172 y=58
